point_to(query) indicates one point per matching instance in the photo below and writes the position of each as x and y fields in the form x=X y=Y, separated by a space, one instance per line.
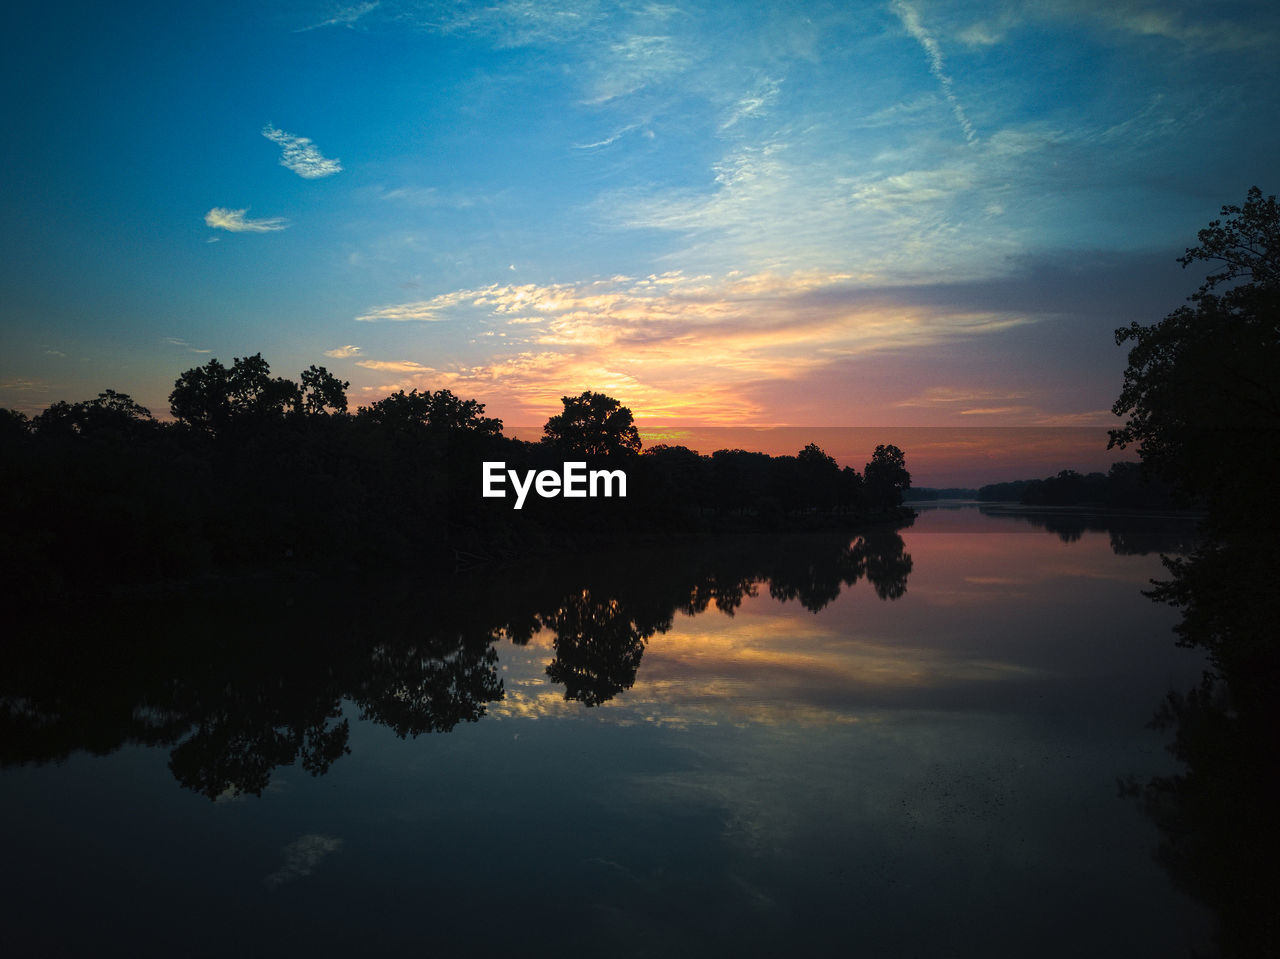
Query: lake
x=899 y=744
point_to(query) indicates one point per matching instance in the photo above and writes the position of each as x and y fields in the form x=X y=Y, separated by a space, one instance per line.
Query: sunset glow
x=915 y=213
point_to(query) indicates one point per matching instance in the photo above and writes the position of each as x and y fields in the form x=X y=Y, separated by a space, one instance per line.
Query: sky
x=913 y=213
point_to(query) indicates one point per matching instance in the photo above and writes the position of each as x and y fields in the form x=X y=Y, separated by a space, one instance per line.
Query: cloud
x=345 y=17
x=300 y=155
x=422 y=311
x=233 y=221
x=175 y=341
x=794 y=204
x=607 y=141
x=25 y=386
x=1214 y=35
x=1087 y=418
x=672 y=344
x=343 y=352
x=1195 y=28
x=394 y=366
x=302 y=856
x=632 y=63
x=754 y=104
x=911 y=20
x=946 y=396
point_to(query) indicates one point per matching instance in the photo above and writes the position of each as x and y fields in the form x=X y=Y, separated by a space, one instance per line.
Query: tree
x=1200 y=392
x=321 y=390
x=440 y=411
x=112 y=411
x=819 y=476
x=593 y=425
x=199 y=397
x=885 y=478
x=212 y=396
x=253 y=392
x=14 y=427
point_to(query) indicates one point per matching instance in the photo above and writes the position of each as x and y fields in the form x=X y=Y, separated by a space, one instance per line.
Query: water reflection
x=238 y=684
x=775 y=758
x=1132 y=534
x=1220 y=841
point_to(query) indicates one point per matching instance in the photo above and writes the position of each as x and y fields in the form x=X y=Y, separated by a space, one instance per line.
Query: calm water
x=909 y=747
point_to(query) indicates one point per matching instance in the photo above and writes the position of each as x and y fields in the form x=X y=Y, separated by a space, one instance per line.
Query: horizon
x=724 y=215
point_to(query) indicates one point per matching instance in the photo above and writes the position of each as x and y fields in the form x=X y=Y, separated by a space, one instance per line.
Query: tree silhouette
x=1202 y=403
x=441 y=412
x=111 y=411
x=599 y=645
x=886 y=478
x=1200 y=393
x=212 y=397
x=593 y=425
x=322 y=391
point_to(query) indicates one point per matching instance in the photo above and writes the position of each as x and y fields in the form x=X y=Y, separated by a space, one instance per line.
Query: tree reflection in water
x=1220 y=838
x=238 y=683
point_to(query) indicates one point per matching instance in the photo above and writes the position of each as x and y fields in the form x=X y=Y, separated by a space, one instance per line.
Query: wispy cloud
x=634 y=62
x=300 y=155
x=344 y=17
x=671 y=343
x=183 y=344
x=911 y=20
x=518 y=22
x=949 y=396
x=234 y=221
x=754 y=104
x=343 y=352
x=302 y=856
x=1209 y=33
x=609 y=140
x=24 y=386
x=1191 y=27
x=421 y=311
x=394 y=366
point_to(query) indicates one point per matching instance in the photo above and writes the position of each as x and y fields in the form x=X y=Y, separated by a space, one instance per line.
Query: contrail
x=911 y=20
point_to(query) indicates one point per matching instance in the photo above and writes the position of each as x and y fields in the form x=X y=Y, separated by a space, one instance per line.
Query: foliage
x=111 y=411
x=213 y=398
x=1203 y=406
x=886 y=477
x=441 y=412
x=322 y=391
x=1200 y=392
x=261 y=471
x=593 y=425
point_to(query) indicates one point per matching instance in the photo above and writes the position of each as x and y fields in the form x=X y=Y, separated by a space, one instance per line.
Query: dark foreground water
x=907 y=745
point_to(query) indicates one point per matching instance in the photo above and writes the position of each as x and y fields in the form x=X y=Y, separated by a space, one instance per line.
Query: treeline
x=1123 y=487
x=258 y=471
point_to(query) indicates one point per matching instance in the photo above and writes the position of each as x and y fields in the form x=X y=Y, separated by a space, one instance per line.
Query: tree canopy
x=1200 y=394
x=593 y=424
x=886 y=477
x=440 y=411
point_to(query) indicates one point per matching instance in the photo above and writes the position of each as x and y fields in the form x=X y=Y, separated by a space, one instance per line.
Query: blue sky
x=913 y=213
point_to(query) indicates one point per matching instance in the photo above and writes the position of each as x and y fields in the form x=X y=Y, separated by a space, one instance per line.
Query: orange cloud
x=673 y=347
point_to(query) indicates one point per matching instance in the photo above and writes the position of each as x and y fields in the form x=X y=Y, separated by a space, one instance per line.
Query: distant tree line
x=258 y=470
x=1124 y=486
